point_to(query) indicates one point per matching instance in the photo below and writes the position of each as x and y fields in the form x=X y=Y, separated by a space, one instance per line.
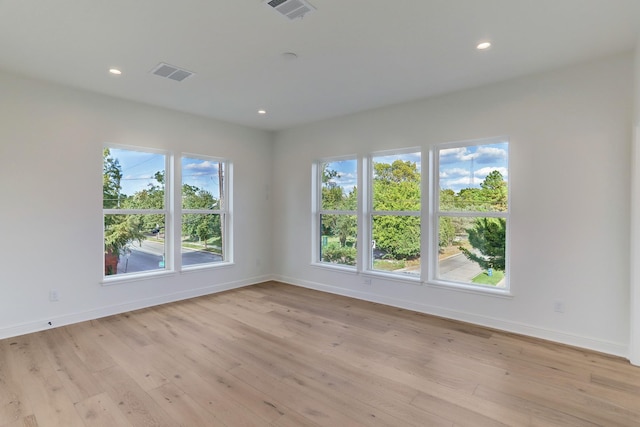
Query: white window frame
x=435 y=214
x=167 y=212
x=224 y=212
x=318 y=211
x=429 y=215
x=173 y=216
x=369 y=213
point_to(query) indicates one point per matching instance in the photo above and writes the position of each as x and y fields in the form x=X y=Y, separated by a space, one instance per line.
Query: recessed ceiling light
x=483 y=46
x=115 y=71
x=262 y=111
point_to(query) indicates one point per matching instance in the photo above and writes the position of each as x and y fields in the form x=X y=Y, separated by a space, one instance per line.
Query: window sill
x=211 y=266
x=472 y=289
x=125 y=278
x=401 y=278
x=335 y=267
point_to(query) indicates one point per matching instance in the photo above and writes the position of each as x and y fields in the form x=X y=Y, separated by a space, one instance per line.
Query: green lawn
x=484 y=279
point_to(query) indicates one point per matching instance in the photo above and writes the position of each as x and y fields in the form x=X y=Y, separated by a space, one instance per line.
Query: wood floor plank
x=72 y=372
x=101 y=411
x=136 y=366
x=176 y=363
x=132 y=400
x=12 y=403
x=46 y=397
x=279 y=355
x=28 y=421
x=82 y=337
x=182 y=408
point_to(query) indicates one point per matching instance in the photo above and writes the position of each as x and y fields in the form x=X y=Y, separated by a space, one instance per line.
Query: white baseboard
x=67 y=319
x=607 y=347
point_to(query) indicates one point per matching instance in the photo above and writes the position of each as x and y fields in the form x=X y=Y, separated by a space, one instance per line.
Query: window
x=395 y=213
x=135 y=211
x=140 y=227
x=461 y=227
x=471 y=213
x=337 y=216
x=204 y=211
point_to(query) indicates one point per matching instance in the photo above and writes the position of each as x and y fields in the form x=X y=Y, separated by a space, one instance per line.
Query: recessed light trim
x=115 y=71
x=262 y=112
x=483 y=46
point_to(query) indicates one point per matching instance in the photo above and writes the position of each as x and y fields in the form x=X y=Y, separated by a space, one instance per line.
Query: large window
x=337 y=216
x=135 y=211
x=395 y=213
x=450 y=230
x=141 y=231
x=204 y=211
x=472 y=213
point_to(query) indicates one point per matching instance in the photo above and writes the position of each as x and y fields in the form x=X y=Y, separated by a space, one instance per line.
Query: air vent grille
x=171 y=72
x=291 y=9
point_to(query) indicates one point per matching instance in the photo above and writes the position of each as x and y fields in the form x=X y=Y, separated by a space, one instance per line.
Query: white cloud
x=487 y=154
x=484 y=172
x=453 y=173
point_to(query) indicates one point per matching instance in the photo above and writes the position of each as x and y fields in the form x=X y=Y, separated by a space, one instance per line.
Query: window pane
x=132 y=179
x=202 y=184
x=474 y=178
x=134 y=243
x=338 y=239
x=202 y=236
x=396 y=182
x=472 y=250
x=339 y=179
x=396 y=244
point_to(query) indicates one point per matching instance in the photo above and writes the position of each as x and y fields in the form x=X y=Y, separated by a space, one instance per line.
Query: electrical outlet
x=558 y=307
x=54 y=295
x=366 y=281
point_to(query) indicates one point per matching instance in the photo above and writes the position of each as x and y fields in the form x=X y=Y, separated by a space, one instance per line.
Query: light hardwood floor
x=279 y=355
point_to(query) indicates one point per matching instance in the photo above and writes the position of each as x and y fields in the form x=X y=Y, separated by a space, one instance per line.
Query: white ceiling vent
x=291 y=9
x=171 y=72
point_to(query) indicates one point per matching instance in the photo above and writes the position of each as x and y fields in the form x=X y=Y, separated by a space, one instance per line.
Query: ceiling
x=352 y=55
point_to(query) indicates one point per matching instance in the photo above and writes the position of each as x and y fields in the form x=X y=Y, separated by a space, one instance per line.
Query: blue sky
x=202 y=174
x=347 y=169
x=467 y=167
x=139 y=168
x=460 y=167
x=347 y=174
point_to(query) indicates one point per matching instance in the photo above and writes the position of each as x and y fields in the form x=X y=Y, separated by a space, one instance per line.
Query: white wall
x=570 y=144
x=634 y=348
x=51 y=141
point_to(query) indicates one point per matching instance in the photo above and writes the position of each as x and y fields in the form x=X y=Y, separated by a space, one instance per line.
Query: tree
x=446 y=233
x=150 y=198
x=111 y=179
x=333 y=198
x=494 y=191
x=396 y=187
x=488 y=236
x=196 y=225
x=119 y=230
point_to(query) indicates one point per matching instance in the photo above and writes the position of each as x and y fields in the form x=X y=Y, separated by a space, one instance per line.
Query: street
x=149 y=256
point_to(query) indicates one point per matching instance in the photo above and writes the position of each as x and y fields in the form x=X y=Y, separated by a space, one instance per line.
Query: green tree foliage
x=336 y=253
x=396 y=187
x=200 y=227
x=111 y=179
x=447 y=232
x=119 y=230
x=494 y=191
x=150 y=198
x=343 y=226
x=488 y=236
